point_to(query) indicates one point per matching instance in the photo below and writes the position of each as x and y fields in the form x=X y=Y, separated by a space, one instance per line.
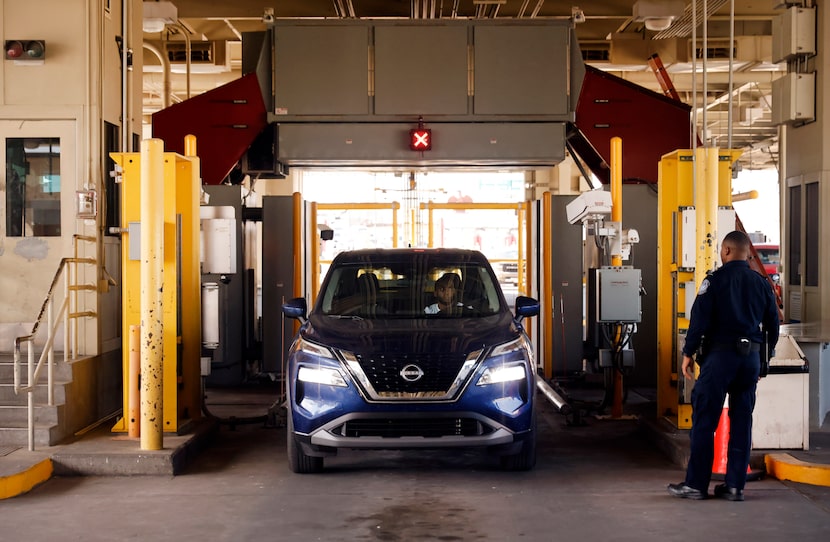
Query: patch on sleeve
x=703 y=287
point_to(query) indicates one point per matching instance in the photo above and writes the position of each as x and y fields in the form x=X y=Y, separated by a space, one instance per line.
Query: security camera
x=326 y=232
x=589 y=205
x=268 y=16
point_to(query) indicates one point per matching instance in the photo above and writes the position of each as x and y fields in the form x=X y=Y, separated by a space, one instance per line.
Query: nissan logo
x=411 y=373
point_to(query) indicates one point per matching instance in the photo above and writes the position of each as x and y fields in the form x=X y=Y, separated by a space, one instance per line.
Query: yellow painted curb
x=22 y=482
x=787 y=467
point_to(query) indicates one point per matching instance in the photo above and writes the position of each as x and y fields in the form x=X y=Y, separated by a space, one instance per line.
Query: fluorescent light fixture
x=657 y=15
x=157 y=15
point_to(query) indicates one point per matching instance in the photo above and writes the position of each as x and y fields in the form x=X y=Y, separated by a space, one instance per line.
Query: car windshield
x=410 y=285
x=769 y=255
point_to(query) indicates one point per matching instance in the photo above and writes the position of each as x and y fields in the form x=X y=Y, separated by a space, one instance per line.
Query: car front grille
x=413 y=427
x=384 y=373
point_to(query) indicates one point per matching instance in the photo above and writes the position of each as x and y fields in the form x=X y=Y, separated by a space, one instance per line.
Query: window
x=33 y=187
x=112 y=207
x=811 y=224
x=794 y=238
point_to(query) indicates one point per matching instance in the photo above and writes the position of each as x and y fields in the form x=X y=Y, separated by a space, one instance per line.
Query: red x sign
x=420 y=139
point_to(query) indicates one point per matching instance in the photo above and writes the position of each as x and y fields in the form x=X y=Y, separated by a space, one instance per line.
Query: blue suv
x=410 y=348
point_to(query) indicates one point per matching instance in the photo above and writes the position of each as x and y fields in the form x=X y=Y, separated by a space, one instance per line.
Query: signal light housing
x=420 y=139
x=25 y=50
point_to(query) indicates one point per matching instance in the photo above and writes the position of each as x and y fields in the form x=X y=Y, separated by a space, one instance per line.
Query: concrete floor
x=604 y=480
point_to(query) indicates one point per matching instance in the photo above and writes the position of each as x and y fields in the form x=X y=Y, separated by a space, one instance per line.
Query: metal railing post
x=31 y=397
x=68 y=311
x=50 y=359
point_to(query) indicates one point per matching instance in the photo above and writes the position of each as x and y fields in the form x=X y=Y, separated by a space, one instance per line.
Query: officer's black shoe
x=683 y=491
x=723 y=491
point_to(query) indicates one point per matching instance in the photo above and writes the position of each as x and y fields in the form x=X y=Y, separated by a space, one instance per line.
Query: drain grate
x=6 y=450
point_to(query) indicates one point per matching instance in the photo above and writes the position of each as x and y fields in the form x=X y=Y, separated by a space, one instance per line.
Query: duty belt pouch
x=743 y=346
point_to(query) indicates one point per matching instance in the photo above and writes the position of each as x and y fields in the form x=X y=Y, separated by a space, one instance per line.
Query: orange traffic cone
x=722 y=448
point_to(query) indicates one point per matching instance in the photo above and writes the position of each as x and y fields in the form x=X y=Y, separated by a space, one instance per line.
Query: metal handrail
x=70 y=339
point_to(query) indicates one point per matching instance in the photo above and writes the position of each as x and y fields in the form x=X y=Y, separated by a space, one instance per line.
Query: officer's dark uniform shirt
x=729 y=305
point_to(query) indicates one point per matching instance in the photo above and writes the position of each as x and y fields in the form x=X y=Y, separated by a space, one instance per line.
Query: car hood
x=410 y=336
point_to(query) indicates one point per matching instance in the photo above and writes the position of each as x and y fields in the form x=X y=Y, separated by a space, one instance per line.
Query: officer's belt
x=716 y=347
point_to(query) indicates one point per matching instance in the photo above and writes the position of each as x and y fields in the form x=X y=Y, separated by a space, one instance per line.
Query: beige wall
x=74 y=91
x=807 y=160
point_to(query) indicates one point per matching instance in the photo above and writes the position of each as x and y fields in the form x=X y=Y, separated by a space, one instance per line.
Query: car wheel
x=299 y=461
x=525 y=459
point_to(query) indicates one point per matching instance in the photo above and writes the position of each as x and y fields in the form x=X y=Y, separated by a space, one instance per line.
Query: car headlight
x=321 y=375
x=520 y=344
x=498 y=375
x=312 y=349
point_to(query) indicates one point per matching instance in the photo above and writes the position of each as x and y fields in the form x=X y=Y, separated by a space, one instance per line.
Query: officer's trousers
x=722 y=372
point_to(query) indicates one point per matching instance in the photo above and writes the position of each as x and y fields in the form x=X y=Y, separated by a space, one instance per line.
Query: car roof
x=399 y=254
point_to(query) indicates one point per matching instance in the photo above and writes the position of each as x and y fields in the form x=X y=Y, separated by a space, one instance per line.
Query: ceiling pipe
x=731 y=62
x=180 y=28
x=165 y=65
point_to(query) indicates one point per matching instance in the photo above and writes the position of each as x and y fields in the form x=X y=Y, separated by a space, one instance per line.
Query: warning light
x=420 y=139
x=25 y=50
x=14 y=49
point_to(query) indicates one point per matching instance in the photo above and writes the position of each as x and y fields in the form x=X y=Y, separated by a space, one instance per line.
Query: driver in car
x=445 y=288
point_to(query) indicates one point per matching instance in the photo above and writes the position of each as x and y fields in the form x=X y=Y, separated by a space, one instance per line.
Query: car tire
x=299 y=461
x=525 y=459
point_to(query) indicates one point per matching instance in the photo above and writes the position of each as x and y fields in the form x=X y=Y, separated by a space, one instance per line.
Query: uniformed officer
x=733 y=308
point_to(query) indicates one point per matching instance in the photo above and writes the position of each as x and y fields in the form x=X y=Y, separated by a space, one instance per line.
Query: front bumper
x=410 y=430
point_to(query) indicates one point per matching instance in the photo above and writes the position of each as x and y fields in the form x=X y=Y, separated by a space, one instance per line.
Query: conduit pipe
x=558 y=401
x=165 y=66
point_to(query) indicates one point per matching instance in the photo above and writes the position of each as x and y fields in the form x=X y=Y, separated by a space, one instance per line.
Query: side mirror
x=295 y=308
x=526 y=307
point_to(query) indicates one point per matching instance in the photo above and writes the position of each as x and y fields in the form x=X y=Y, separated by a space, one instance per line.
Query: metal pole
x=711 y=188
x=30 y=405
x=547 y=275
x=50 y=356
x=66 y=341
x=152 y=282
x=298 y=244
x=616 y=190
x=616 y=259
x=315 y=252
x=134 y=383
x=395 y=225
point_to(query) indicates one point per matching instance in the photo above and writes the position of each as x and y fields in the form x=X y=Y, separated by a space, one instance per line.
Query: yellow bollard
x=152 y=274
x=616 y=259
x=616 y=190
x=134 y=383
x=190 y=145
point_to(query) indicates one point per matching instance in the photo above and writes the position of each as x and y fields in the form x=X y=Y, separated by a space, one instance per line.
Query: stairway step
x=18 y=416
x=61 y=370
x=41 y=393
x=45 y=435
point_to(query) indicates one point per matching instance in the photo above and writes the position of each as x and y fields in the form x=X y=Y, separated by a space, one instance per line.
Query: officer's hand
x=688 y=372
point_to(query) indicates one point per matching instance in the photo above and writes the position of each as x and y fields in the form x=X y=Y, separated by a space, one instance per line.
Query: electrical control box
x=618 y=295
x=794 y=34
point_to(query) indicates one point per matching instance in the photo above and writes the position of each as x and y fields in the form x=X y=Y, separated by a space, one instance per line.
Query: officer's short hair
x=737 y=239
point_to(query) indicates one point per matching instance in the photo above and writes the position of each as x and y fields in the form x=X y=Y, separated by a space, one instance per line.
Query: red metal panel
x=224 y=120
x=649 y=124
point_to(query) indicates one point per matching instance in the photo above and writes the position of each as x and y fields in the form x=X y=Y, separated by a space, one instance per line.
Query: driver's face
x=445 y=293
